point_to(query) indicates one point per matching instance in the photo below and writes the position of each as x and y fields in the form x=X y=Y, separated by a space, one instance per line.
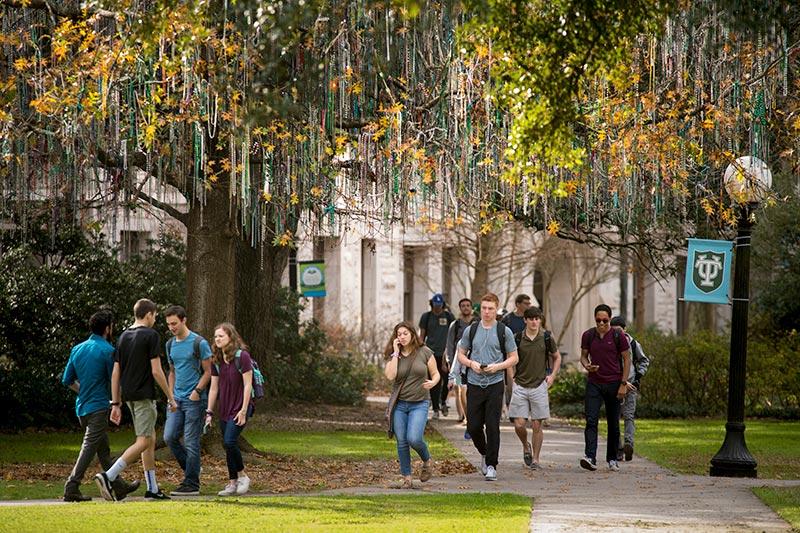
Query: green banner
x=311 y=277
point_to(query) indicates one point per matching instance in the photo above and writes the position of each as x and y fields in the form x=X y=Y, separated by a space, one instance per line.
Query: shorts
x=533 y=404
x=144 y=417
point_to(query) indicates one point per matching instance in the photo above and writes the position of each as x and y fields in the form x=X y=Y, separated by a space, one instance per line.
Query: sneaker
x=588 y=464
x=183 y=490
x=229 y=490
x=76 y=496
x=467 y=436
x=242 y=485
x=436 y=415
x=153 y=496
x=122 y=489
x=527 y=458
x=427 y=471
x=535 y=466
x=628 y=451
x=613 y=466
x=491 y=473
x=484 y=469
x=620 y=454
x=103 y=483
x=445 y=410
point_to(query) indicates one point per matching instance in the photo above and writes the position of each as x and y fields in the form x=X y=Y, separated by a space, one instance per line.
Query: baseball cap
x=437 y=299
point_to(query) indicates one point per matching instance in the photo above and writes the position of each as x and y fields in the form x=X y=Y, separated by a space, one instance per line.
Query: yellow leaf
x=553 y=227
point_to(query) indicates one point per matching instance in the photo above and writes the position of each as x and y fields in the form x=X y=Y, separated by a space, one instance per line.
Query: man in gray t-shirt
x=485 y=364
x=433 y=327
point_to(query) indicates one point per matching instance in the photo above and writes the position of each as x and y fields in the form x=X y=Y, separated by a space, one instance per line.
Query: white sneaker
x=242 y=485
x=491 y=473
x=229 y=490
x=613 y=466
x=483 y=465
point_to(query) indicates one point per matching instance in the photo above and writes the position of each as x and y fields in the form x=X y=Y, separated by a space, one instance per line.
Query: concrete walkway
x=642 y=496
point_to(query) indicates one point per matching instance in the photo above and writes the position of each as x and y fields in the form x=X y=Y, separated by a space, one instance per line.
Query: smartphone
x=484 y=365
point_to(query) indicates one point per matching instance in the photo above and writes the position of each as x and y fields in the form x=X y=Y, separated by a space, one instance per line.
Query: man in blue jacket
x=88 y=373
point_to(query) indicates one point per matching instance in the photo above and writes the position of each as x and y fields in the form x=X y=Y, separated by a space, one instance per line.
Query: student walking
x=88 y=373
x=515 y=319
x=639 y=365
x=189 y=357
x=230 y=394
x=531 y=383
x=137 y=368
x=606 y=355
x=455 y=381
x=433 y=328
x=486 y=350
x=413 y=369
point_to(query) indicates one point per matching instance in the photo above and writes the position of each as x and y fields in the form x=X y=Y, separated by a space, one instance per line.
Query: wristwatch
x=113 y=404
x=199 y=392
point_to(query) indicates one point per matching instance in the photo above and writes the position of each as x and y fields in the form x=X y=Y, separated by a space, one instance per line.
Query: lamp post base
x=733 y=459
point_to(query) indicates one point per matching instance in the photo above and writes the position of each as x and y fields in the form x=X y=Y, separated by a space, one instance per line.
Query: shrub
x=569 y=386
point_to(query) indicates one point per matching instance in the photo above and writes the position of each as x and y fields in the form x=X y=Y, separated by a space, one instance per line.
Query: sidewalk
x=642 y=496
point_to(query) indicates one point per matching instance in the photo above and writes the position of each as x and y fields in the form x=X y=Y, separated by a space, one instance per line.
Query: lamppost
x=747 y=181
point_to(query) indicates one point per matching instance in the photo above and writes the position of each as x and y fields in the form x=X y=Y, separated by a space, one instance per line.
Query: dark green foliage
x=569 y=387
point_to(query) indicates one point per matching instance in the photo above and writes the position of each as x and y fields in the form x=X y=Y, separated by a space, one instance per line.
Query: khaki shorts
x=533 y=404
x=144 y=417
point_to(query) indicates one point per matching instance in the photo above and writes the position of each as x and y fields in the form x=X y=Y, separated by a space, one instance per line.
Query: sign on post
x=311 y=275
x=708 y=271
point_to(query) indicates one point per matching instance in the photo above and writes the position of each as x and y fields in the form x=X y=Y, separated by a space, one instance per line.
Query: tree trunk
x=639 y=306
x=480 y=279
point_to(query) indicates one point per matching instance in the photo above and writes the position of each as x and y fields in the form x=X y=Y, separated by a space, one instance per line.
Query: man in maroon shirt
x=606 y=355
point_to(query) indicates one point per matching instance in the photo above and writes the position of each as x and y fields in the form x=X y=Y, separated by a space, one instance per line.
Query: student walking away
x=137 y=369
x=231 y=393
x=88 y=373
x=189 y=357
x=454 y=334
x=414 y=371
x=531 y=382
x=515 y=320
x=486 y=350
x=433 y=327
x=639 y=365
x=606 y=355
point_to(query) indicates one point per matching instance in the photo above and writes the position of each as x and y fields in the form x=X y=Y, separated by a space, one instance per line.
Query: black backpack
x=548 y=339
x=501 y=336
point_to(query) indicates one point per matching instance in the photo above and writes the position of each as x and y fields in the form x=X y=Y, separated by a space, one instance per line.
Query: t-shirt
x=230 y=394
x=603 y=352
x=90 y=363
x=486 y=349
x=514 y=322
x=188 y=369
x=533 y=356
x=135 y=348
x=412 y=390
x=436 y=327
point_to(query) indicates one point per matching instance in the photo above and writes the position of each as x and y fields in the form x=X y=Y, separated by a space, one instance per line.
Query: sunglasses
x=601 y=320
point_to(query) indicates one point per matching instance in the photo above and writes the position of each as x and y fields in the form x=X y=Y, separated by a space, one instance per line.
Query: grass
x=439 y=512
x=687 y=446
x=354 y=445
x=53 y=448
x=784 y=501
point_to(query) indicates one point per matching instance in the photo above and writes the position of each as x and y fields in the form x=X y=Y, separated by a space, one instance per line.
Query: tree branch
x=172 y=211
x=58 y=8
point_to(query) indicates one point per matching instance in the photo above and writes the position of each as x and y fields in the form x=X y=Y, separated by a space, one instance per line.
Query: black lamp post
x=745 y=180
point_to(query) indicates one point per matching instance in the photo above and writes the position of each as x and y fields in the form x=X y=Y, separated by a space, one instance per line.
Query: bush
x=569 y=387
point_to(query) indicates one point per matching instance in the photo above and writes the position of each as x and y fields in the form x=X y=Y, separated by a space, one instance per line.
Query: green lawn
x=396 y=512
x=687 y=446
x=356 y=445
x=785 y=502
x=53 y=448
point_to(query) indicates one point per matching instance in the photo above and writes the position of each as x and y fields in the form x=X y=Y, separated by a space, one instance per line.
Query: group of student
x=509 y=363
x=202 y=382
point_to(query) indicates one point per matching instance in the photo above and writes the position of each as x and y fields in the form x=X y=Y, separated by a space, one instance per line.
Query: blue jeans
x=409 y=428
x=597 y=394
x=186 y=421
x=230 y=440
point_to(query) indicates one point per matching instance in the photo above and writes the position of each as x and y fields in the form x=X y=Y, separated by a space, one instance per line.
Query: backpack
x=501 y=337
x=616 y=333
x=195 y=349
x=257 y=392
x=548 y=339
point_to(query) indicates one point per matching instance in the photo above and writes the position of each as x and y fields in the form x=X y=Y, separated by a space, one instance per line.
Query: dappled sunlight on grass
x=784 y=500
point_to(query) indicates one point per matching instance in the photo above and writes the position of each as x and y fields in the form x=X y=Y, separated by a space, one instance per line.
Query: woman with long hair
x=412 y=368
x=231 y=388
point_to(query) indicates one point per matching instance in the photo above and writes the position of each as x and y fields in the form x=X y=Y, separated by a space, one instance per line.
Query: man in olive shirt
x=529 y=399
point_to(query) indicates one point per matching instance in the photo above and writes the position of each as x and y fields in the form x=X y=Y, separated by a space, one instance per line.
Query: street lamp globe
x=748 y=180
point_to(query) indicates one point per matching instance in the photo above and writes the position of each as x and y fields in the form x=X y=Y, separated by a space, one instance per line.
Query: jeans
x=230 y=440
x=187 y=420
x=484 y=407
x=95 y=442
x=627 y=413
x=408 y=423
x=596 y=395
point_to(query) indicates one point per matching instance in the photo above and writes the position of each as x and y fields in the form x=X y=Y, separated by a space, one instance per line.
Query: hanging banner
x=708 y=271
x=311 y=275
